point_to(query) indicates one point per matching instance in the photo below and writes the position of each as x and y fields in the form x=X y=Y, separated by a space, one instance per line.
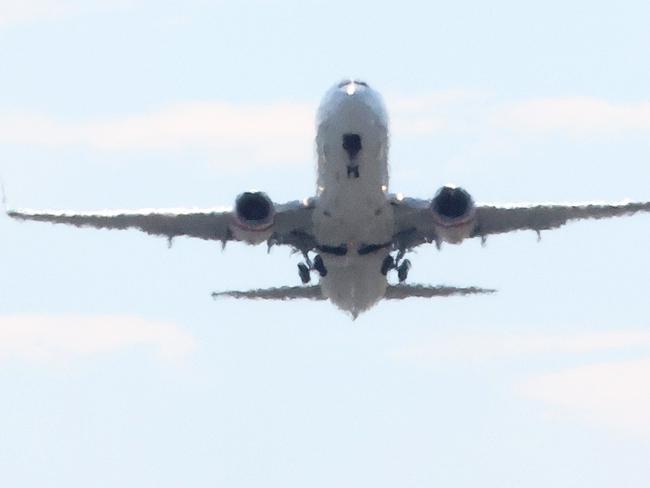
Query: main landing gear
x=305 y=269
x=398 y=263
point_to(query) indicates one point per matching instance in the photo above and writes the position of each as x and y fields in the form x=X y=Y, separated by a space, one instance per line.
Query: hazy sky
x=118 y=369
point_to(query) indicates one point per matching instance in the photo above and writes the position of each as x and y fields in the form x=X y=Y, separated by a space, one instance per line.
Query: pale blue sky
x=118 y=369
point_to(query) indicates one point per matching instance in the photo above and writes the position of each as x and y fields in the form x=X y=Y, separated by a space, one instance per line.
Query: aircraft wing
x=494 y=219
x=291 y=225
x=415 y=224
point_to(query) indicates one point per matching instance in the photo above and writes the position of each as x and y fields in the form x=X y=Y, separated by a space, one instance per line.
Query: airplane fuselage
x=353 y=219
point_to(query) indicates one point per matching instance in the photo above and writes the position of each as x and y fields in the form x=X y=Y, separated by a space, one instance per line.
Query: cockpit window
x=356 y=82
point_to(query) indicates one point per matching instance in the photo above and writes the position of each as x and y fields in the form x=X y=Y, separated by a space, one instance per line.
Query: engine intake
x=452 y=203
x=453 y=213
x=253 y=217
x=254 y=209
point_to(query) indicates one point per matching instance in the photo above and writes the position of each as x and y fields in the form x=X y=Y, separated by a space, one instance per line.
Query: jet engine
x=253 y=217
x=453 y=214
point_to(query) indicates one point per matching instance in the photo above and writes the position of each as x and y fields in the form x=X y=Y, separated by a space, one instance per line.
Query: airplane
x=352 y=233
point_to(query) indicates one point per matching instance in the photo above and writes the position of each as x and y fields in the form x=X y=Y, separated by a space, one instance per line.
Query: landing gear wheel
x=387 y=264
x=303 y=271
x=320 y=266
x=403 y=270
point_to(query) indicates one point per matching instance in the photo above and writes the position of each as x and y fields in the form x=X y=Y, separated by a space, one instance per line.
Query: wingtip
x=9 y=212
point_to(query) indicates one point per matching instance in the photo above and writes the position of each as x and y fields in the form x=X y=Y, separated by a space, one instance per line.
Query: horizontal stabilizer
x=284 y=293
x=393 y=292
x=398 y=292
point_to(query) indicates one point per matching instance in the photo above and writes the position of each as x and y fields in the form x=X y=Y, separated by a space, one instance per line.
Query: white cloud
x=20 y=12
x=576 y=116
x=271 y=133
x=265 y=133
x=429 y=113
x=282 y=133
x=17 y=12
x=51 y=339
x=432 y=100
x=614 y=395
x=486 y=347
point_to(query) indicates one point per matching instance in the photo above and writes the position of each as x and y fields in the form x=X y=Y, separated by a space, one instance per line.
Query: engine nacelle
x=454 y=214
x=253 y=217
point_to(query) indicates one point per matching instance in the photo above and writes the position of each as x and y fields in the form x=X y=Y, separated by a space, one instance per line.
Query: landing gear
x=387 y=265
x=397 y=263
x=320 y=266
x=305 y=269
x=403 y=270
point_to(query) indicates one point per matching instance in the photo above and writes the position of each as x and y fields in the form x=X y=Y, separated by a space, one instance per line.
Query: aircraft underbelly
x=354 y=283
x=353 y=215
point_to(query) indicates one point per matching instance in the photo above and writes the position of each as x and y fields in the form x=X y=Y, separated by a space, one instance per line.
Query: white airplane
x=353 y=232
